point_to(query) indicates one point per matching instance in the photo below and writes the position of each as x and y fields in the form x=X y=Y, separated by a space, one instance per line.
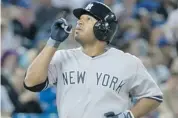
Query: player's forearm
x=144 y=106
x=37 y=71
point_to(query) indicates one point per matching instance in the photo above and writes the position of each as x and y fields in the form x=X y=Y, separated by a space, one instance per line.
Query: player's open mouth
x=78 y=28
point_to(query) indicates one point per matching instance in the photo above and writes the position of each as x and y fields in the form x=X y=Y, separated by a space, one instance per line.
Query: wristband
x=53 y=43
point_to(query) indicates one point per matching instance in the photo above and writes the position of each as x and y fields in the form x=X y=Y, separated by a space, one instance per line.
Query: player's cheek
x=92 y=32
x=89 y=31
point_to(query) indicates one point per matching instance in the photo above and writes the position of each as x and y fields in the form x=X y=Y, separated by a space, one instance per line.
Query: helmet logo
x=88 y=8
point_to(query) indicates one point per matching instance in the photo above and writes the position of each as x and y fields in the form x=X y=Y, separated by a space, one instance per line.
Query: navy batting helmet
x=106 y=26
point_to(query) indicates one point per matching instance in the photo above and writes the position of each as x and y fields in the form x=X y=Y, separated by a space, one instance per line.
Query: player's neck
x=94 y=50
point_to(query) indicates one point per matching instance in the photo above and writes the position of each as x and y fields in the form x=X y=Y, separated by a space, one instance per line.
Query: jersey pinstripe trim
x=157 y=98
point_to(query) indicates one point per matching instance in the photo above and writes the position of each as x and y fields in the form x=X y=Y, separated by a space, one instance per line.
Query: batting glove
x=126 y=114
x=59 y=32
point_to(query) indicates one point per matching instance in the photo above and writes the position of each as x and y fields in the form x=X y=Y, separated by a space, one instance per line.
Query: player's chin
x=78 y=38
x=78 y=35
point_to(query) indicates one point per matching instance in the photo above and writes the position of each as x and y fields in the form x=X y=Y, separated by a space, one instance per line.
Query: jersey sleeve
x=143 y=85
x=54 y=70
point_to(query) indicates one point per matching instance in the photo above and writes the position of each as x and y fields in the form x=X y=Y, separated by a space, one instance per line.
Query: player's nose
x=79 y=22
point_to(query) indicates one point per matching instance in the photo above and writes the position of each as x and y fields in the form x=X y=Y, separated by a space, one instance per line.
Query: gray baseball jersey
x=89 y=87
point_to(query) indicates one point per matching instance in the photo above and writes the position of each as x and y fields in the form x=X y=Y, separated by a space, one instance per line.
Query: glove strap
x=53 y=43
x=129 y=114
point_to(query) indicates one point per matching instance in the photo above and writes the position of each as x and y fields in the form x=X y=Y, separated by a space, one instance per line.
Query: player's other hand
x=126 y=114
x=60 y=30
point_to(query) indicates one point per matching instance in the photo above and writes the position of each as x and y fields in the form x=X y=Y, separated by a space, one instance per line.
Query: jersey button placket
x=88 y=75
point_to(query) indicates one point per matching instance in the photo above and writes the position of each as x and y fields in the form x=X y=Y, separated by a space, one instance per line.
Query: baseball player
x=95 y=80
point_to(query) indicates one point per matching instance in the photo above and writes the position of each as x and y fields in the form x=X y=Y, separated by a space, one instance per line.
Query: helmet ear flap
x=101 y=30
x=104 y=29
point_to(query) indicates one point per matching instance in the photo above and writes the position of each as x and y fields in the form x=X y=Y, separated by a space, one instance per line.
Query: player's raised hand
x=60 y=30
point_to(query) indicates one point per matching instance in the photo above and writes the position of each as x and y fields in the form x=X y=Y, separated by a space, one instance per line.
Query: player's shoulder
x=67 y=52
x=72 y=50
x=125 y=55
